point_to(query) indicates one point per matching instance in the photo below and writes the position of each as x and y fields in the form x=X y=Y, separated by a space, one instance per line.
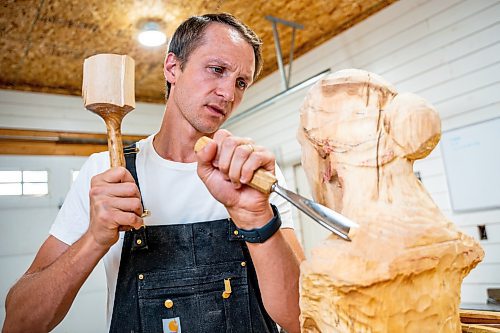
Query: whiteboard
x=471 y=157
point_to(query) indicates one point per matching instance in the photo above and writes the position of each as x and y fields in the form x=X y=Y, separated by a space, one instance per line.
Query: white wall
x=25 y=221
x=447 y=51
x=66 y=113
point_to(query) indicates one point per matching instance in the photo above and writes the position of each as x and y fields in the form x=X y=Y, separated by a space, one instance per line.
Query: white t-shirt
x=171 y=191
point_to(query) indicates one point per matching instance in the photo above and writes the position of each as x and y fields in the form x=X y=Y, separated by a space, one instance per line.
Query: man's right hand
x=115 y=205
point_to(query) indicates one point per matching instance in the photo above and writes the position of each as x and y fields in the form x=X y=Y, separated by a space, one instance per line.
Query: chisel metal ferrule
x=331 y=220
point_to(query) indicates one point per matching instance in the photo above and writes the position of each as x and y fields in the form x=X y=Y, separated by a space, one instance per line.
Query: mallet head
x=108 y=90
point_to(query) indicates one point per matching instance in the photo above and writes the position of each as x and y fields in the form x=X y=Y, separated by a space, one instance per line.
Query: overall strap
x=139 y=240
x=130 y=153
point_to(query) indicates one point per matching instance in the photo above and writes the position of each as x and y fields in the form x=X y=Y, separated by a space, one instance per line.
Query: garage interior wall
x=444 y=50
x=26 y=220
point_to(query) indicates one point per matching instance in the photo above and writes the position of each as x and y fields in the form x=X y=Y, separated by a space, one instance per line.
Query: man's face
x=214 y=78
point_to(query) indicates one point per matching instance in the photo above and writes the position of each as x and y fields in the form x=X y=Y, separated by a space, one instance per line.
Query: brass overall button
x=169 y=303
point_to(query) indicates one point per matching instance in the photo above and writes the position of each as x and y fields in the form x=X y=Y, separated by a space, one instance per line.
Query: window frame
x=22 y=183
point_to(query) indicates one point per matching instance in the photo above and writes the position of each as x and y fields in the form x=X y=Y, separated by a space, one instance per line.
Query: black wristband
x=260 y=235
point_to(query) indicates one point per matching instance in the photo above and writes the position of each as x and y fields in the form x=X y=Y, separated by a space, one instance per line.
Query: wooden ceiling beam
x=35 y=142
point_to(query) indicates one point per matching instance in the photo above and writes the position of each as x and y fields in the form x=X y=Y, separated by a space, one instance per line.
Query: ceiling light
x=151 y=35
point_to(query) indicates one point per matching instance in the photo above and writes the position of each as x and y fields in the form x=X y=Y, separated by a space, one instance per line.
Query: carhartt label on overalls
x=172 y=325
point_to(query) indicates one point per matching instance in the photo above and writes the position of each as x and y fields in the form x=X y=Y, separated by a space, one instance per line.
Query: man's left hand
x=225 y=165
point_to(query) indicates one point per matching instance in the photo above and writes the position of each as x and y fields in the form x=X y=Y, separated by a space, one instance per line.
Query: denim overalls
x=195 y=277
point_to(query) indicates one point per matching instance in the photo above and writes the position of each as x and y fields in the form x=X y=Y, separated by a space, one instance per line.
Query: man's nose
x=226 y=89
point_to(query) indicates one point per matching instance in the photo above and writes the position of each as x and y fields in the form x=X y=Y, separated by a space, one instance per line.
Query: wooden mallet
x=108 y=90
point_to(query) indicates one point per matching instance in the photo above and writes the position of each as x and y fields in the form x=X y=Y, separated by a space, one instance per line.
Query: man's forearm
x=42 y=297
x=278 y=272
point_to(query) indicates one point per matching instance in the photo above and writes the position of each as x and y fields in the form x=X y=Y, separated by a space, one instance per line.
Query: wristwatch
x=260 y=235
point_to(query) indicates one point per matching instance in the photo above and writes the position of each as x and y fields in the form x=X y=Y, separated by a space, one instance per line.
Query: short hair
x=189 y=35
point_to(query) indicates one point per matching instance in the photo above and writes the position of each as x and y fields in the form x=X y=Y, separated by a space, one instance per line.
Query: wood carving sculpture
x=403 y=269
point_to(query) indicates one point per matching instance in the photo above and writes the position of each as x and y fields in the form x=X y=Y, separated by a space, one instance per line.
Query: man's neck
x=176 y=138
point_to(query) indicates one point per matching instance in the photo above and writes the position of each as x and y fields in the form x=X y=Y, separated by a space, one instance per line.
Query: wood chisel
x=266 y=182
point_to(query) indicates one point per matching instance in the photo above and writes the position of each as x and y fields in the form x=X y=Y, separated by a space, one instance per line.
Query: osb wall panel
x=43 y=43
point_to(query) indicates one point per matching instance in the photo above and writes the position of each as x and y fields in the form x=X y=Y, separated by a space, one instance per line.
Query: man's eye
x=217 y=70
x=241 y=84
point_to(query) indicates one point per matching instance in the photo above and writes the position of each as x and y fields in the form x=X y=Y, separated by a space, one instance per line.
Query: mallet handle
x=115 y=144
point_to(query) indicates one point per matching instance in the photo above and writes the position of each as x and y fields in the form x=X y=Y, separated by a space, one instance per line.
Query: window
x=24 y=182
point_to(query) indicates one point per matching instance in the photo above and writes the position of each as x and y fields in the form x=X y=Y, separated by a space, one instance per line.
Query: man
x=191 y=268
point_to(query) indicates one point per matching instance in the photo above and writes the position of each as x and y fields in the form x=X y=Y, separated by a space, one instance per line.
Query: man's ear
x=170 y=67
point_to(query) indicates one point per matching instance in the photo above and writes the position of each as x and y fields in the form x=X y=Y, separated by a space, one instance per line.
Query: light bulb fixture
x=151 y=35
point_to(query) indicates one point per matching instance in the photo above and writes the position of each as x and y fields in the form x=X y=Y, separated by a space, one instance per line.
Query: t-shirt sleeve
x=72 y=221
x=284 y=207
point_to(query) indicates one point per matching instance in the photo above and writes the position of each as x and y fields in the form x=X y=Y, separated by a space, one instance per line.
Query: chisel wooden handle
x=262 y=180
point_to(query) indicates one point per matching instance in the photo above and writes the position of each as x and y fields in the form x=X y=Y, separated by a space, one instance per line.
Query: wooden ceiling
x=43 y=42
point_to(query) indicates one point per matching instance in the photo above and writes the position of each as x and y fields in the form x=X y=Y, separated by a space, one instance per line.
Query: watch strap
x=260 y=235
